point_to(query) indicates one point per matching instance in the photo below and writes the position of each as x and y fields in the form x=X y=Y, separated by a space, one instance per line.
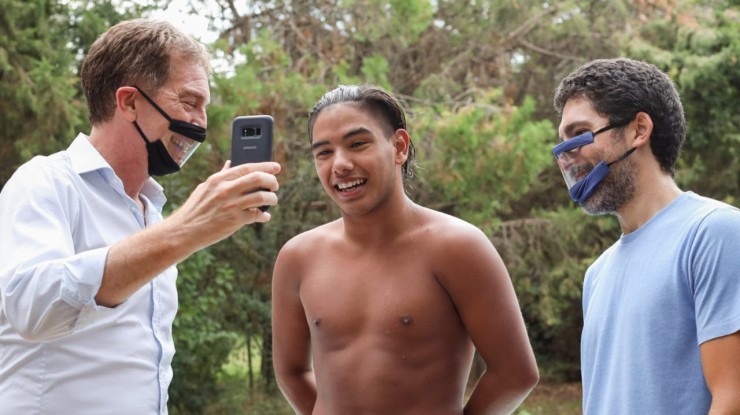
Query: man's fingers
x=258 y=198
x=269 y=167
x=255 y=181
x=258 y=215
x=241 y=180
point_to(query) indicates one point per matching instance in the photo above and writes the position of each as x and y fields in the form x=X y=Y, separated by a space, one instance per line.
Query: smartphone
x=251 y=140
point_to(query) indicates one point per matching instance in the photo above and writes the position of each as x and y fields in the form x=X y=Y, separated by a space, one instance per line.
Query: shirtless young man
x=379 y=312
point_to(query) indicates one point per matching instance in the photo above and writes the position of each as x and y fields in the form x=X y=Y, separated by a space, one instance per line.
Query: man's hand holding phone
x=251 y=141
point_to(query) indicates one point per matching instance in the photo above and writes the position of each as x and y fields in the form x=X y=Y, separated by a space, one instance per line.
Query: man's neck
x=650 y=198
x=122 y=156
x=381 y=225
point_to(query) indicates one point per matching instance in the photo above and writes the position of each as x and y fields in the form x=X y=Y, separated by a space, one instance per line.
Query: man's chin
x=596 y=205
x=595 y=210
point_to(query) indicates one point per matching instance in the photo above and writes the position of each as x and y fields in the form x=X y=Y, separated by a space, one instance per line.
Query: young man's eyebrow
x=349 y=134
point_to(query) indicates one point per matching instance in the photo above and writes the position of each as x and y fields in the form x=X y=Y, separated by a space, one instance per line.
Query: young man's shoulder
x=447 y=229
x=449 y=222
x=312 y=238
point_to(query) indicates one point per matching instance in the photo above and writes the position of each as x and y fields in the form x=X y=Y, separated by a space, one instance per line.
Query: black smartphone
x=251 y=140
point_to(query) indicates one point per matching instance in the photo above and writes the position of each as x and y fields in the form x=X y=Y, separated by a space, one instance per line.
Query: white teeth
x=178 y=143
x=345 y=186
x=181 y=144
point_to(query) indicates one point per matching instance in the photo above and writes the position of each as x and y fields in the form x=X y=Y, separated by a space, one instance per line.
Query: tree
x=39 y=106
x=41 y=45
x=699 y=47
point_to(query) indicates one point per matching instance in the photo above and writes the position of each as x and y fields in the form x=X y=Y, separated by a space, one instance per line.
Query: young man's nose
x=342 y=162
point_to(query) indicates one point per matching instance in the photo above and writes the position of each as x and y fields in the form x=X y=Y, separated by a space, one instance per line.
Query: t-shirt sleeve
x=715 y=273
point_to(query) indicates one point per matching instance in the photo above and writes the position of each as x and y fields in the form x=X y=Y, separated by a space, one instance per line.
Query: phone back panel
x=251 y=139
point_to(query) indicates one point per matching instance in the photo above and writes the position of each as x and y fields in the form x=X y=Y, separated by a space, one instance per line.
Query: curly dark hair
x=376 y=100
x=619 y=88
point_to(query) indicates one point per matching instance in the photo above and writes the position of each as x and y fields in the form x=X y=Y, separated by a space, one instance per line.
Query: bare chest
x=388 y=297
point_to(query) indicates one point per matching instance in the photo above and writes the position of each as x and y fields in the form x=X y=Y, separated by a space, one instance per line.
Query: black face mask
x=160 y=160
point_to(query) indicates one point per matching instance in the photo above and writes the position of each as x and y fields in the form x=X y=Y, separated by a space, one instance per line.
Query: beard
x=615 y=191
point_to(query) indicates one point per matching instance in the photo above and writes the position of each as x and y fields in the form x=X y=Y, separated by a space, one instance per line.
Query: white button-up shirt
x=60 y=352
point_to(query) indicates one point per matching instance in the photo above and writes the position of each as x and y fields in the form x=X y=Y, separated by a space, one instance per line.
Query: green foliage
x=409 y=19
x=375 y=71
x=41 y=44
x=203 y=285
x=482 y=156
x=701 y=52
x=547 y=256
x=39 y=109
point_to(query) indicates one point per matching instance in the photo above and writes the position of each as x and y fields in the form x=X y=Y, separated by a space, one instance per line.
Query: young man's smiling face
x=356 y=157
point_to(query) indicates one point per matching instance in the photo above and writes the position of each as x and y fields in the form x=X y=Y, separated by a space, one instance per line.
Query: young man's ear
x=402 y=142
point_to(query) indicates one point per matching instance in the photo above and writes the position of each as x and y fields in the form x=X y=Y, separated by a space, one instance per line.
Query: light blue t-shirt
x=650 y=300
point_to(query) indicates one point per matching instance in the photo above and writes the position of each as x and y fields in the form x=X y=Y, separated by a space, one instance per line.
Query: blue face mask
x=581 y=190
x=160 y=160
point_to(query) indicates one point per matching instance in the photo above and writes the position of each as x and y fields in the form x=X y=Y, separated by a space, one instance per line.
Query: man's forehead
x=578 y=112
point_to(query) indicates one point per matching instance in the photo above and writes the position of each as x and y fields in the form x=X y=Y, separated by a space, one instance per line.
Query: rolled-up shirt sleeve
x=43 y=302
x=46 y=278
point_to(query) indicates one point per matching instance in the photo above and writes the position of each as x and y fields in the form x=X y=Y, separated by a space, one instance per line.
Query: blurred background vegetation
x=476 y=77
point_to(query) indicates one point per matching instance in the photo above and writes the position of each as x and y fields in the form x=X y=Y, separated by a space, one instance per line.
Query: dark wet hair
x=619 y=88
x=375 y=100
x=133 y=52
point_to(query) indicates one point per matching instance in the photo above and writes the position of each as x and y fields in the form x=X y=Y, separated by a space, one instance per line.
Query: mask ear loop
x=154 y=104
x=141 y=133
x=192 y=131
x=623 y=156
